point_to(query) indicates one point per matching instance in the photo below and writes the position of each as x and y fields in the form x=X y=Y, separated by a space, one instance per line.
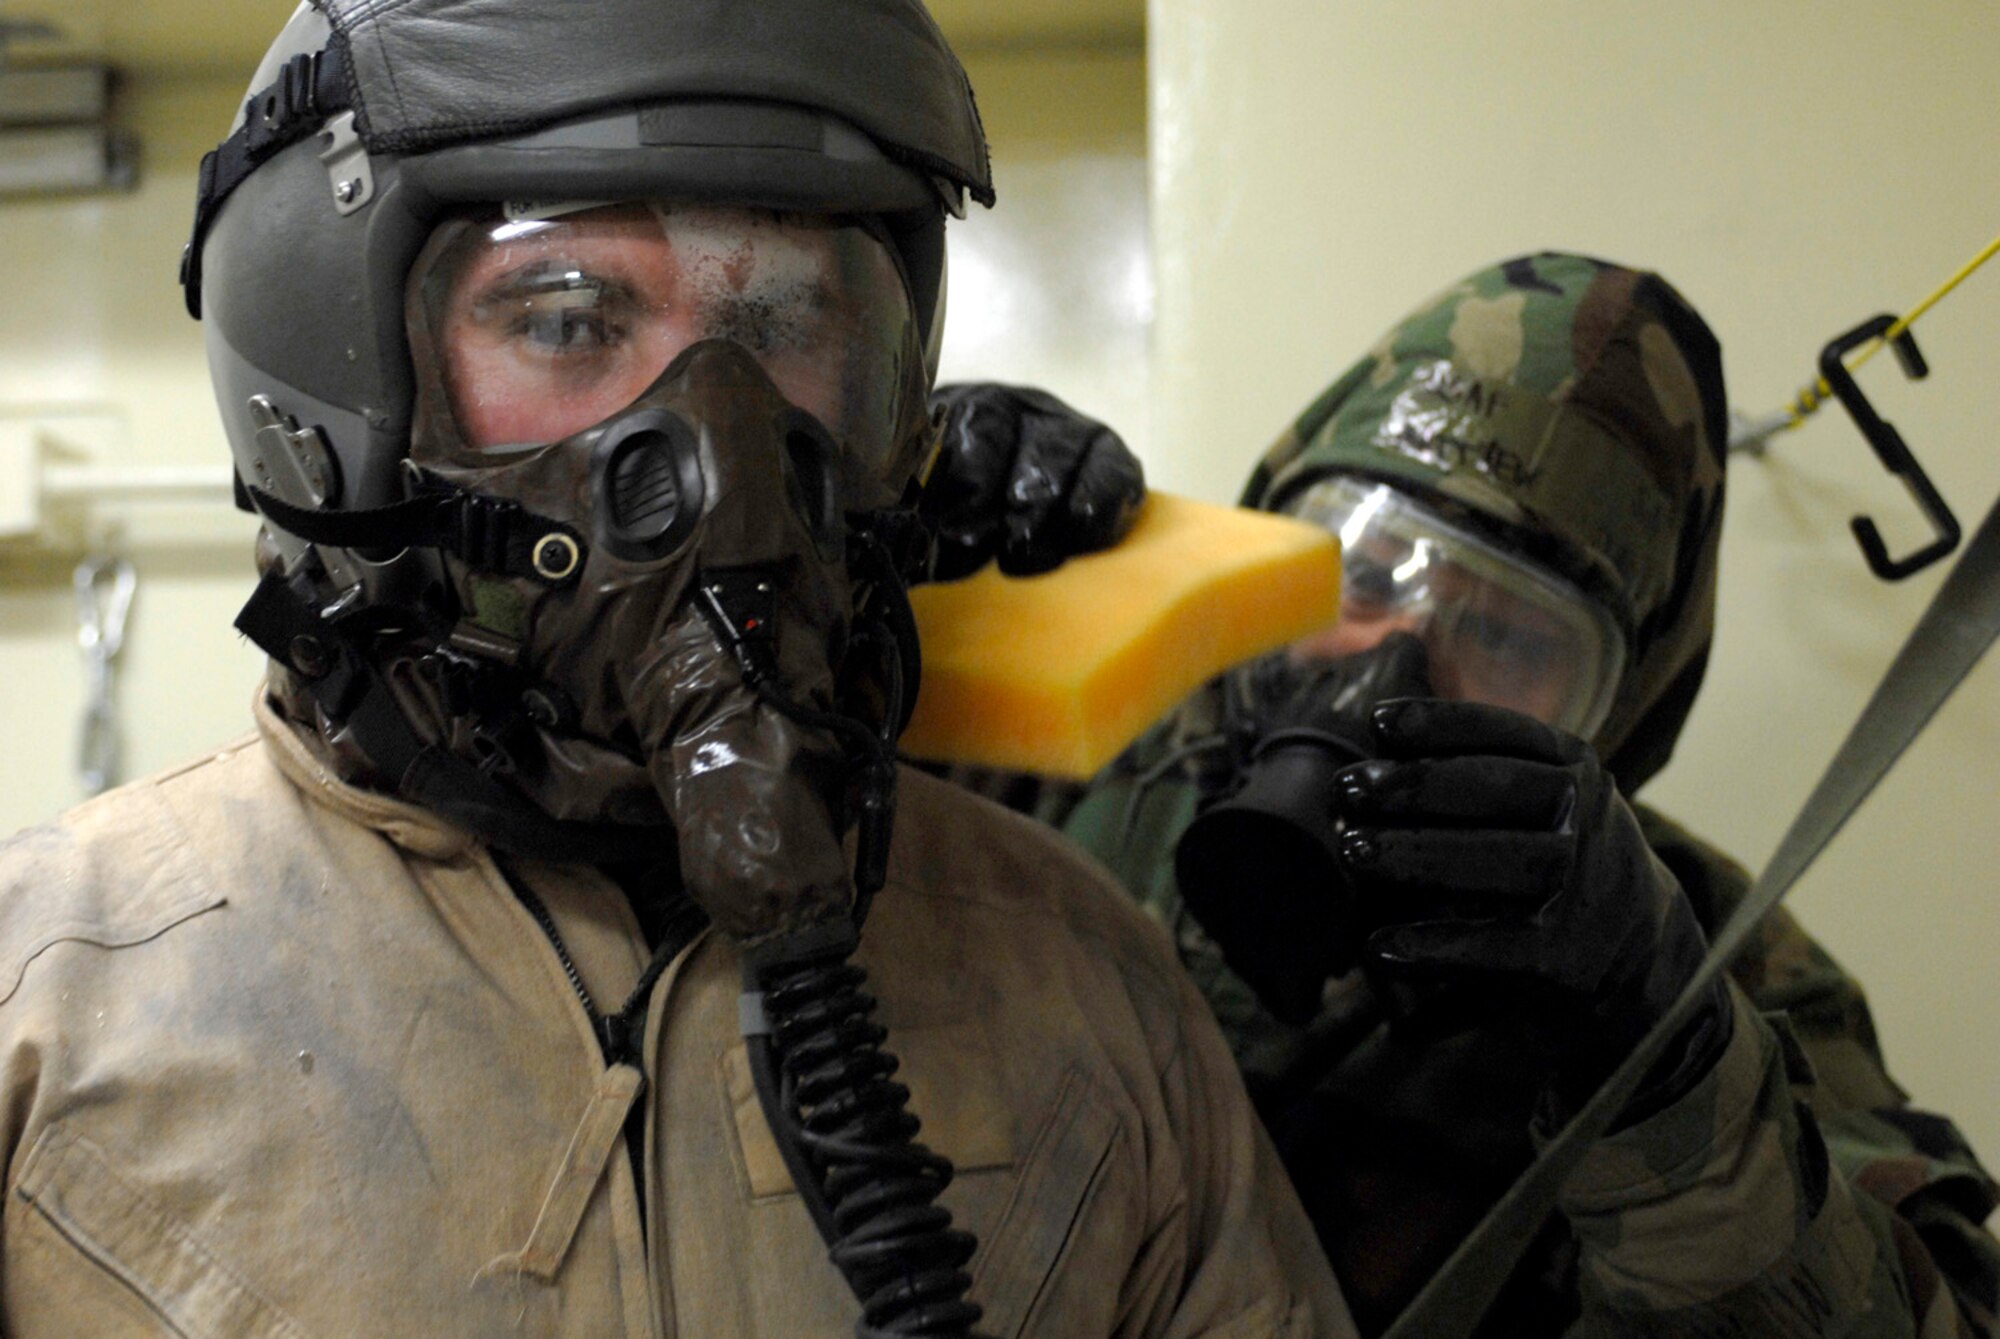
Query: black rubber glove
x=1025 y=479
x=1494 y=851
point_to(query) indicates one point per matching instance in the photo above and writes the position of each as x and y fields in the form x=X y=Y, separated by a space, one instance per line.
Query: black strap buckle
x=273 y=114
x=489 y=533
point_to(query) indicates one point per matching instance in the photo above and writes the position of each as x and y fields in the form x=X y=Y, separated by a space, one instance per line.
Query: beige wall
x=94 y=319
x=1054 y=287
x=1320 y=166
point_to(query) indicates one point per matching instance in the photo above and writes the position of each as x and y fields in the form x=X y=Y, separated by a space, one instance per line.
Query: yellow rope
x=1818 y=393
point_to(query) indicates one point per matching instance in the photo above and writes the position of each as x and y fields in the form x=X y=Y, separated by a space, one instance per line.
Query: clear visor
x=541 y=327
x=1496 y=629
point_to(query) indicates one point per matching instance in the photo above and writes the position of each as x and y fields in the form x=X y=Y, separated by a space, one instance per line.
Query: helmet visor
x=541 y=327
x=1496 y=628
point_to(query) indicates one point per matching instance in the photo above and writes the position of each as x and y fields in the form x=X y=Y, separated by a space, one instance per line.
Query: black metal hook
x=1890 y=449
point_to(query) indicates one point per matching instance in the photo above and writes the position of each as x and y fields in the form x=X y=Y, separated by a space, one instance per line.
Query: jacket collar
x=410 y=826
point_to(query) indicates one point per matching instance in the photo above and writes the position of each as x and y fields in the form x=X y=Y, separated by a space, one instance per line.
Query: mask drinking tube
x=740 y=354
x=817 y=1055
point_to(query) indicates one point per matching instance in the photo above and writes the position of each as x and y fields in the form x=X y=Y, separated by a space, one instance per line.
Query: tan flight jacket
x=279 y=1057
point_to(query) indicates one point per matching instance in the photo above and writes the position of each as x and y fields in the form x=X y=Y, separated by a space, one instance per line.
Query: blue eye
x=557 y=310
x=564 y=329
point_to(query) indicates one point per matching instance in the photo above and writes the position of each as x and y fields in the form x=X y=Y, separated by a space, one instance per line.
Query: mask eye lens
x=544 y=327
x=1497 y=628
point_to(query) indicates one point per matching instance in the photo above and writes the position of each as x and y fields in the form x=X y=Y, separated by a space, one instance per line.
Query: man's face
x=1495 y=628
x=543 y=327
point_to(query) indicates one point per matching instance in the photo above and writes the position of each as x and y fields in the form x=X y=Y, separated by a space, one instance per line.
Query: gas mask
x=1497 y=626
x=1429 y=609
x=723 y=388
x=708 y=584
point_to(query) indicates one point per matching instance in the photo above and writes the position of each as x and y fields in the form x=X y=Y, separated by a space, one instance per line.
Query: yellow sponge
x=1057 y=674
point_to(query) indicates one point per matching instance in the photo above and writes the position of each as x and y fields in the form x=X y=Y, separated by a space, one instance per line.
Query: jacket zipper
x=599 y=1024
x=619 y=1035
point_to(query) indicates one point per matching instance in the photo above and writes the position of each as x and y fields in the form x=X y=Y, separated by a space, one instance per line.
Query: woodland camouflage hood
x=1575 y=411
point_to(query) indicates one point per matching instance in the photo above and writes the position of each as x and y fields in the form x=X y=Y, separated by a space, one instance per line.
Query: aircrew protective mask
x=698 y=400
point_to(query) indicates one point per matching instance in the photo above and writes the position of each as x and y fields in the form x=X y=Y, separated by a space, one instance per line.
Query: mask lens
x=1496 y=628
x=542 y=327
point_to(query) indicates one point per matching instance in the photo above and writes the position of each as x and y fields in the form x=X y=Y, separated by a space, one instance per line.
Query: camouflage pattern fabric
x=1834 y=1207
x=1399 y=1144
x=1575 y=411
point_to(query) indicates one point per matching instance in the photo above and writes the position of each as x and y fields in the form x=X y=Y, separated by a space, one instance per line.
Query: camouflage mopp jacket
x=1794 y=1192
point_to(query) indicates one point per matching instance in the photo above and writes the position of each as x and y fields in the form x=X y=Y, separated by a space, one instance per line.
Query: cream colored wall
x=93 y=318
x=1051 y=288
x=1319 y=167
x=1054 y=287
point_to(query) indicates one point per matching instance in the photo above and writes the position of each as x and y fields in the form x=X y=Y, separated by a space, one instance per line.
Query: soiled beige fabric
x=283 y=1058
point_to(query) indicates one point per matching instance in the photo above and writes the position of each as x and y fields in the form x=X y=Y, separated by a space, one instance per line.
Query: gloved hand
x=1493 y=851
x=1259 y=866
x=1025 y=479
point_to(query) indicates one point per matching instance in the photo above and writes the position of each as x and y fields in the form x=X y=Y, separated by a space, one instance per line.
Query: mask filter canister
x=1260 y=869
